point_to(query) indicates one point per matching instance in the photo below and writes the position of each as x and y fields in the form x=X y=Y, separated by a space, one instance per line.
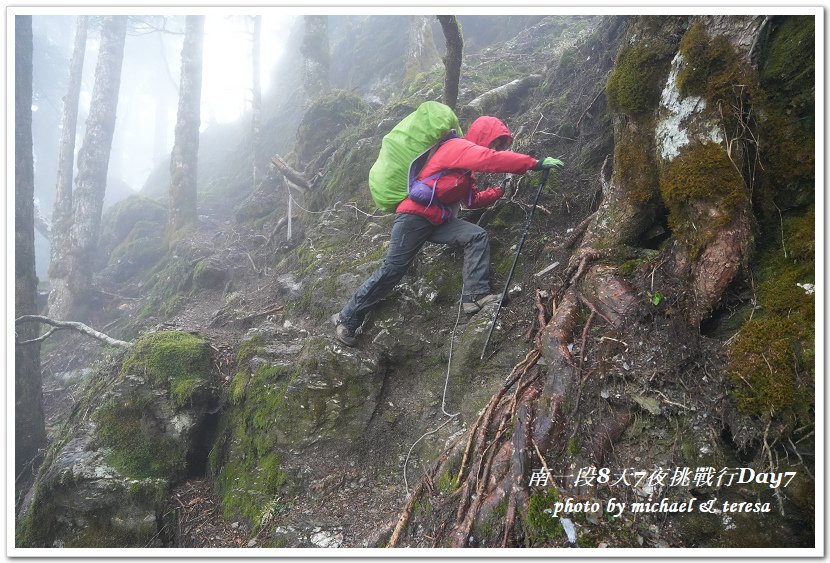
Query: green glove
x=548 y=163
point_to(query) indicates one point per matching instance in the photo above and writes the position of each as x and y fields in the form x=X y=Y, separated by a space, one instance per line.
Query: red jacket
x=463 y=155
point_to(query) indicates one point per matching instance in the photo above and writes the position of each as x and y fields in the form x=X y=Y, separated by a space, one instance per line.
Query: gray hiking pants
x=409 y=233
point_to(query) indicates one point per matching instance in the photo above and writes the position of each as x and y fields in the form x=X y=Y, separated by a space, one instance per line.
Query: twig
x=772 y=467
x=541 y=117
x=248 y=254
x=614 y=339
x=584 y=337
x=593 y=308
x=584 y=113
x=795 y=449
x=40 y=338
x=781 y=218
x=542 y=459
x=670 y=402
x=274 y=309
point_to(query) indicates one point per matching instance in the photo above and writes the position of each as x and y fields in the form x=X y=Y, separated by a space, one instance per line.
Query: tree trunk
x=316 y=56
x=452 y=61
x=184 y=159
x=93 y=162
x=30 y=434
x=62 y=210
x=256 y=104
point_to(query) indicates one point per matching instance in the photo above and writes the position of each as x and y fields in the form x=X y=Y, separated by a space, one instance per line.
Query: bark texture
x=62 y=210
x=184 y=158
x=452 y=60
x=30 y=434
x=93 y=163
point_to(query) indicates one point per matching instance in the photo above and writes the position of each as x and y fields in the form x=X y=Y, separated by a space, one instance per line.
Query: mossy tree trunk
x=93 y=162
x=62 y=210
x=184 y=158
x=452 y=60
x=29 y=431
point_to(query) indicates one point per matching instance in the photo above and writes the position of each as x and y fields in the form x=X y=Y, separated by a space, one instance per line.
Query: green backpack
x=409 y=141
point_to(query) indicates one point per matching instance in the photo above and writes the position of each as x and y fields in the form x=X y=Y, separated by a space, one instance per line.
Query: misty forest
x=192 y=206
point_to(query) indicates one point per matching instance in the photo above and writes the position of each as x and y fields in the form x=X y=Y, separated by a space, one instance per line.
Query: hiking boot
x=475 y=305
x=343 y=333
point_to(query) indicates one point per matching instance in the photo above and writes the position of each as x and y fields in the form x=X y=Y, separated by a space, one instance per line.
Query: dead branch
x=296 y=177
x=488 y=100
x=80 y=327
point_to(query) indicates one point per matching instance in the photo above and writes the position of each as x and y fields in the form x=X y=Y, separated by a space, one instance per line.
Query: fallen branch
x=297 y=178
x=490 y=99
x=80 y=327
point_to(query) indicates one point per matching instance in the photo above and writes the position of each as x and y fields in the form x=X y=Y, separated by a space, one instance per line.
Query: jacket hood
x=487 y=129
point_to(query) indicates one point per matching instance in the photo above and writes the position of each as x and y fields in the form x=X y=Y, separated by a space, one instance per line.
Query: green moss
x=702 y=173
x=251 y=474
x=634 y=158
x=573 y=446
x=327 y=117
x=447 y=483
x=236 y=391
x=249 y=348
x=178 y=361
x=635 y=84
x=167 y=285
x=788 y=67
x=771 y=368
x=787 y=129
x=103 y=534
x=539 y=527
x=712 y=69
x=136 y=448
x=771 y=362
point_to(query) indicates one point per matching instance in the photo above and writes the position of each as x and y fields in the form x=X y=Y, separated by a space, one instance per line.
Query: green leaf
x=657 y=298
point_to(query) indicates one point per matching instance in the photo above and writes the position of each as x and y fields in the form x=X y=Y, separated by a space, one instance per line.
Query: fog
x=148 y=96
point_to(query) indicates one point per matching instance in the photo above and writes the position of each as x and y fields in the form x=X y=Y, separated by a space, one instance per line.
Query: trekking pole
x=542 y=183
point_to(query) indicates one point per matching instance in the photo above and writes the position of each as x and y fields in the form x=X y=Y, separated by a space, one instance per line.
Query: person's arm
x=464 y=155
x=485 y=197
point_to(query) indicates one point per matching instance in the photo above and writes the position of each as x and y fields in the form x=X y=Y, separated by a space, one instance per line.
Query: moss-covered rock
x=176 y=361
x=132 y=237
x=325 y=120
x=105 y=479
x=290 y=392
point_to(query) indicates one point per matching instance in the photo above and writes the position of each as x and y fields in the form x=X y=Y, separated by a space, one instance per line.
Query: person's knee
x=479 y=238
x=393 y=270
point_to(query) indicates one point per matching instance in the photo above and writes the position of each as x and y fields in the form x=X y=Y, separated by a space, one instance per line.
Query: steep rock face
x=138 y=430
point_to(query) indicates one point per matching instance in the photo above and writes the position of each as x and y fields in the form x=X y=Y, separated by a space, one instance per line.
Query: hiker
x=482 y=149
